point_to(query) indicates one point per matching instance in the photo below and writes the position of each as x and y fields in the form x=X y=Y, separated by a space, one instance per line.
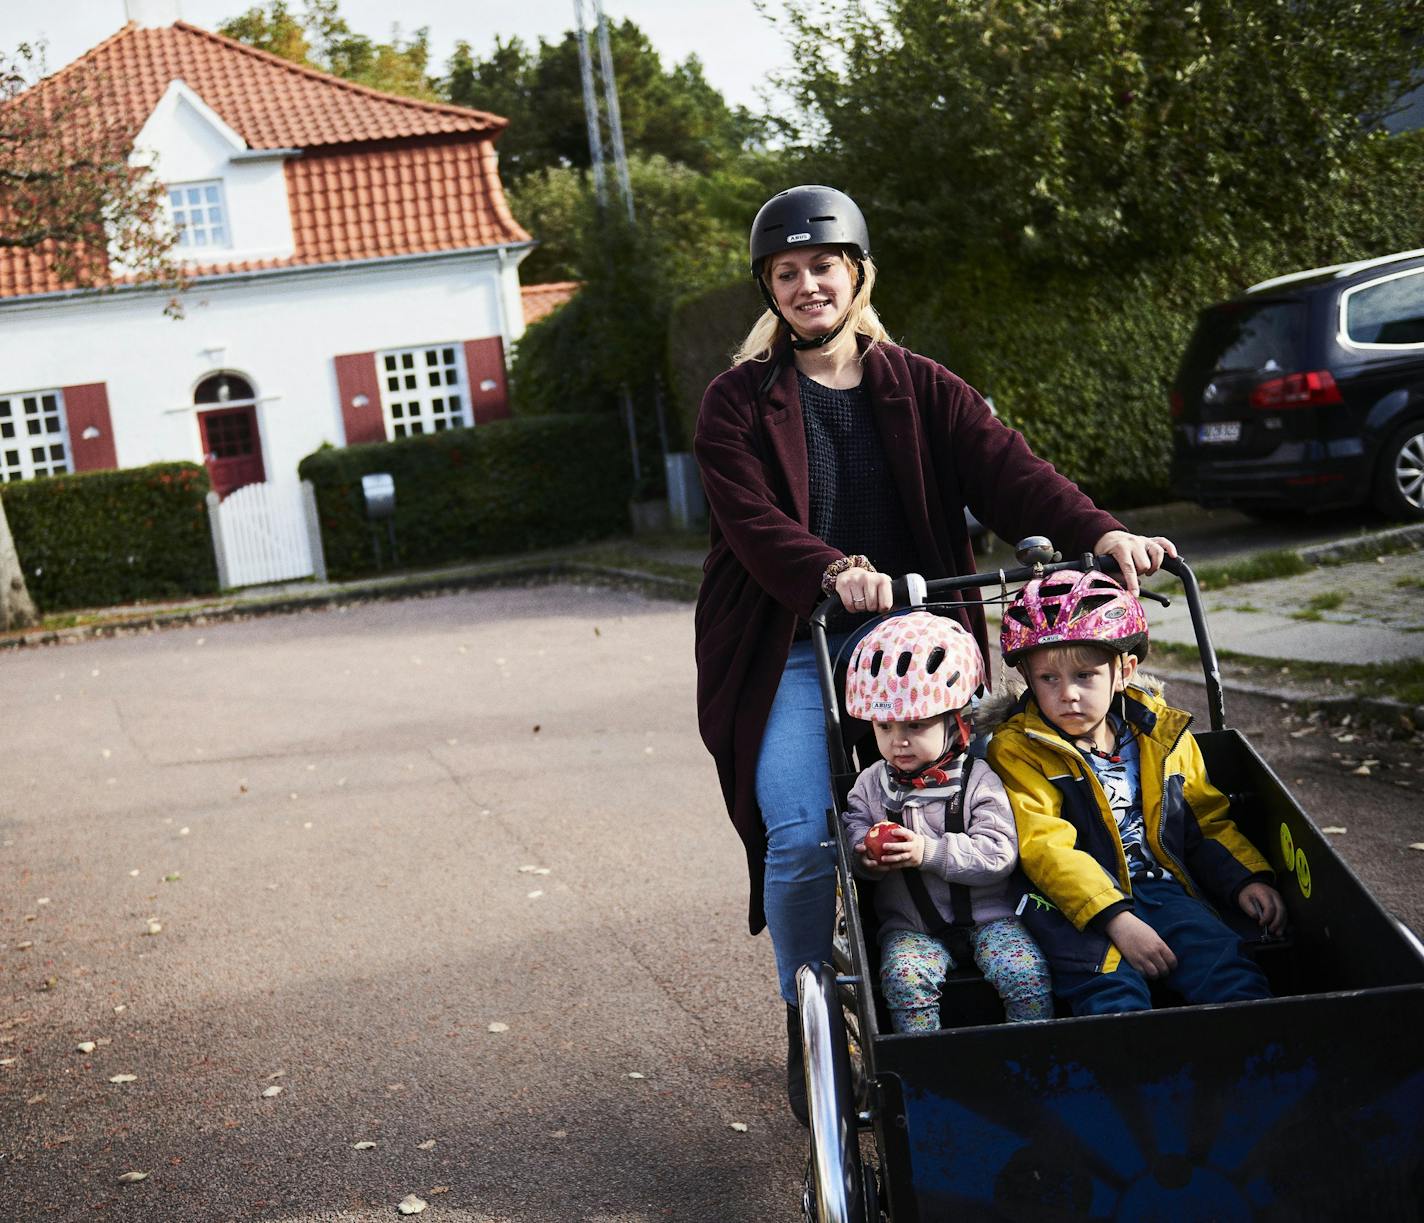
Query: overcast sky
x=737 y=45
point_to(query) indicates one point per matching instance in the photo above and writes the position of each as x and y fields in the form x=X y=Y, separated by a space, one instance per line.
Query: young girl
x=1122 y=835
x=940 y=891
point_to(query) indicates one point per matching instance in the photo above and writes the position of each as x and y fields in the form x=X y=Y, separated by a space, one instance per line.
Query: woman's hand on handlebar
x=862 y=590
x=1135 y=554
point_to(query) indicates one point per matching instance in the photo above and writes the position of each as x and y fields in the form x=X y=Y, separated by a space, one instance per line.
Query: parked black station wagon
x=1307 y=393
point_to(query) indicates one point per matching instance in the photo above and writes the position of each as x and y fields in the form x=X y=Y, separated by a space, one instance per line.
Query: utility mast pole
x=615 y=119
x=625 y=186
x=590 y=107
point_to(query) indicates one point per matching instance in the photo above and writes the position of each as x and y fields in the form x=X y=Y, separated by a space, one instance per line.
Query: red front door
x=232 y=448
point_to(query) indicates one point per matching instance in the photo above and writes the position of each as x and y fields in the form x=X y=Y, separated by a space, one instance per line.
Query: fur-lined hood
x=998 y=707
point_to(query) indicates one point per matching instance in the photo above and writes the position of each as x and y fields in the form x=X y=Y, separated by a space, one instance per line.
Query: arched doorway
x=227 y=425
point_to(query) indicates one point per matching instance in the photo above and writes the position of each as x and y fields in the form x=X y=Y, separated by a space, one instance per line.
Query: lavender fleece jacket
x=982 y=857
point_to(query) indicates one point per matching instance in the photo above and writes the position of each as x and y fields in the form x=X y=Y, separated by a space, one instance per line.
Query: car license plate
x=1219 y=431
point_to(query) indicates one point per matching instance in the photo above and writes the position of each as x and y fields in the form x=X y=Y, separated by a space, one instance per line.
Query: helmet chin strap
x=820 y=341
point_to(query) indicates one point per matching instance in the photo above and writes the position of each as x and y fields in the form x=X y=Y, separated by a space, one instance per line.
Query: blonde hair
x=769 y=330
x=1074 y=653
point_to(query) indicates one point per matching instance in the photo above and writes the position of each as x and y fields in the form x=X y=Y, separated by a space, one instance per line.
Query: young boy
x=933 y=828
x=1121 y=834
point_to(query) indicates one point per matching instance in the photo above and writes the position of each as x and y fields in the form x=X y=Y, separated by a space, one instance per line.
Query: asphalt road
x=341 y=823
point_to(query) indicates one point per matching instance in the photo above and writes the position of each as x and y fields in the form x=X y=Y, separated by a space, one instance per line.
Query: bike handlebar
x=912 y=590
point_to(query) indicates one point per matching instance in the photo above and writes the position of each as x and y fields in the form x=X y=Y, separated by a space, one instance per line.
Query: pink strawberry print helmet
x=911 y=668
x=1072 y=608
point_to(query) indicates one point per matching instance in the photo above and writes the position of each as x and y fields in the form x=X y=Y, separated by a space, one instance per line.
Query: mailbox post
x=379 y=490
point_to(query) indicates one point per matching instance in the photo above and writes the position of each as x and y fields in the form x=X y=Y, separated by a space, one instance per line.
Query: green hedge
x=108 y=537
x=506 y=486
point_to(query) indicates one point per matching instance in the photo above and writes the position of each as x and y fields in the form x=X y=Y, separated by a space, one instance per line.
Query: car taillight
x=1177 y=402
x=1315 y=389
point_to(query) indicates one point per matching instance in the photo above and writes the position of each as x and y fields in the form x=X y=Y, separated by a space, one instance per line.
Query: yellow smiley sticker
x=1302 y=873
x=1287 y=847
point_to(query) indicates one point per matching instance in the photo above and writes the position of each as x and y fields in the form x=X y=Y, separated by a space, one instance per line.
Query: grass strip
x=1400 y=681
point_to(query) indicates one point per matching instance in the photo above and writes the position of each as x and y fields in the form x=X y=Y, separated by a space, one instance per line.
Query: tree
x=1078 y=130
x=674 y=114
x=272 y=29
x=17 y=610
x=321 y=38
x=68 y=192
x=690 y=234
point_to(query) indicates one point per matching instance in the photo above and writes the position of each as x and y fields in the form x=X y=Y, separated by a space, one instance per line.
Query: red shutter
x=356 y=381
x=484 y=363
x=86 y=408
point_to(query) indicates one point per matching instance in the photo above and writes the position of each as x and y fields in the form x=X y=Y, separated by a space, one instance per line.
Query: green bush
x=107 y=537
x=703 y=332
x=506 y=486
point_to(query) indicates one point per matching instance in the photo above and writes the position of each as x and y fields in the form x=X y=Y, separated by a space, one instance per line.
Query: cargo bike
x=1305 y=1106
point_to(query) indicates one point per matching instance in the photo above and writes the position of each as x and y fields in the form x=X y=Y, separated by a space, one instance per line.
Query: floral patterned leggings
x=913 y=967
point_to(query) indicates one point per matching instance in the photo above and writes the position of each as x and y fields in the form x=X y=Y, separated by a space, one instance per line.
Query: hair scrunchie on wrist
x=836 y=568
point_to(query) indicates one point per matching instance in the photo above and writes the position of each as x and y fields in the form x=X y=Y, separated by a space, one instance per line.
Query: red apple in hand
x=881 y=837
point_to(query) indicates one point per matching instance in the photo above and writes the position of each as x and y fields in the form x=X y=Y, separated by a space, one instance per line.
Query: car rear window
x=1387 y=311
x=1247 y=337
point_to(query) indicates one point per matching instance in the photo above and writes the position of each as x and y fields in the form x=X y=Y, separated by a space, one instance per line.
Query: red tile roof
x=380 y=175
x=269 y=101
x=542 y=300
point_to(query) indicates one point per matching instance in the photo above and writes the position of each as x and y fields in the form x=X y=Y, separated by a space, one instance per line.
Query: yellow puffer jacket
x=1069 y=847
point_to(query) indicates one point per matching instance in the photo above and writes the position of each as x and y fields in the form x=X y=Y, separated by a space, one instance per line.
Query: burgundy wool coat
x=944 y=449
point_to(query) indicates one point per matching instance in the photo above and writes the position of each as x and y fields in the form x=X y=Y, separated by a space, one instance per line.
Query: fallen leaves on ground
x=411 y=1205
x=362 y=1146
x=271 y=1091
x=498 y=1027
x=130 y=1178
x=427 y=1145
x=740 y=1126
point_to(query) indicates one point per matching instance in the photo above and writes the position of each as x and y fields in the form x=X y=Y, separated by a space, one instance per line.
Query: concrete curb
x=1365 y=547
x=522 y=573
x=653 y=585
x=1372 y=708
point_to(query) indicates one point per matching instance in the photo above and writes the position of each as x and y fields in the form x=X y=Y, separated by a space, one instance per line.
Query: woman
x=832 y=460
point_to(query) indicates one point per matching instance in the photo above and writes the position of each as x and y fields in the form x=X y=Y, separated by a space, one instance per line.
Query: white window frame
x=197 y=234
x=19 y=411
x=1344 y=335
x=418 y=386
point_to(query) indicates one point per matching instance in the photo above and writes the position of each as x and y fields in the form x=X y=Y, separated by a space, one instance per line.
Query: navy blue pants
x=1211 y=965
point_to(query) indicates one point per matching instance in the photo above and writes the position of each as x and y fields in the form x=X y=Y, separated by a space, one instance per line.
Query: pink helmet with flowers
x=912 y=667
x=1071 y=608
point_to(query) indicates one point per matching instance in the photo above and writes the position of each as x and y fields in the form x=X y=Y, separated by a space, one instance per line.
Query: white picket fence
x=266 y=533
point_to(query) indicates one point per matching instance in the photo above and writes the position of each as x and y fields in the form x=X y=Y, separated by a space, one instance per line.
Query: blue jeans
x=793 y=788
x=1211 y=966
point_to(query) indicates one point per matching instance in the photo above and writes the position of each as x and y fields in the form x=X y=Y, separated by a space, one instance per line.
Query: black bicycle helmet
x=809 y=215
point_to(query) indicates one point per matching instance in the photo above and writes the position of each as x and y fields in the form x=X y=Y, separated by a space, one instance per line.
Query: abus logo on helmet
x=798 y=238
x=1115 y=613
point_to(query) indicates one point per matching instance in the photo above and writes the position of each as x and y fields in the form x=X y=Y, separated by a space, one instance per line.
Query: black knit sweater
x=854 y=505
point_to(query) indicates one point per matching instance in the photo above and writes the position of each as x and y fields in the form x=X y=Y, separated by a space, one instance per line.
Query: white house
x=355 y=279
